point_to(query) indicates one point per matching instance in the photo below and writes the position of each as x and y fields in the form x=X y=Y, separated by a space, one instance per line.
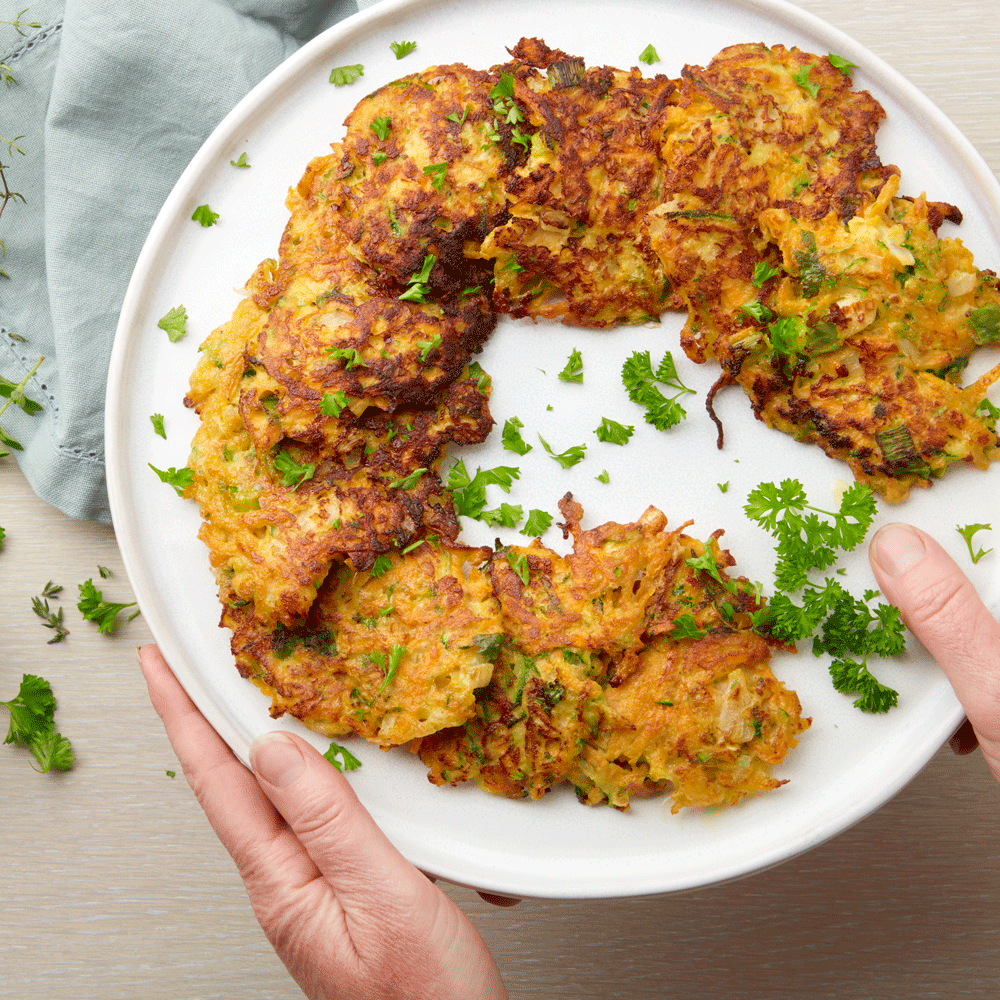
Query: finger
x=389 y=909
x=240 y=813
x=942 y=609
x=321 y=809
x=963 y=741
x=496 y=900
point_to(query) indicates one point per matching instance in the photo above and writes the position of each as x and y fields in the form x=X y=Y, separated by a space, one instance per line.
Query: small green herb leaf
x=174 y=321
x=649 y=55
x=342 y=76
x=204 y=215
x=967 y=532
x=401 y=49
x=180 y=479
x=573 y=372
x=157 y=421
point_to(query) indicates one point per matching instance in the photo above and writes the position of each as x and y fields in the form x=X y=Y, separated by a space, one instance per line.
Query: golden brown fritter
x=390 y=654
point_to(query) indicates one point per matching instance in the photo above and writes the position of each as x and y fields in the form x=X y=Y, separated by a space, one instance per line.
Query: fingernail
x=275 y=758
x=897 y=547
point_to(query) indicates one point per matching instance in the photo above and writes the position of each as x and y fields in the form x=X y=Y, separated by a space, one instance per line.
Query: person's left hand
x=349 y=916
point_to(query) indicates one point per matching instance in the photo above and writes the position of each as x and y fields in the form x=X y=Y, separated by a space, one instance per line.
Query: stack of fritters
x=748 y=192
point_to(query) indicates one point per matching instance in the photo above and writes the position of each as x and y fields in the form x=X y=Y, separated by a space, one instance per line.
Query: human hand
x=942 y=609
x=349 y=916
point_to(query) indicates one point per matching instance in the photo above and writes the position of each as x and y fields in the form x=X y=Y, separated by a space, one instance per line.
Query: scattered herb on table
x=511 y=437
x=50 y=619
x=156 y=420
x=649 y=55
x=95 y=608
x=241 y=162
x=32 y=725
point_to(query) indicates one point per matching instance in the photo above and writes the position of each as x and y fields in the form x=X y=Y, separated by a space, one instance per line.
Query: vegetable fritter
x=748 y=192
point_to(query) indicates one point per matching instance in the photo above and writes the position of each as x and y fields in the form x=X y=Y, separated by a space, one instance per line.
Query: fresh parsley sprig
x=95 y=608
x=640 y=381
x=469 y=492
x=32 y=725
x=811 y=539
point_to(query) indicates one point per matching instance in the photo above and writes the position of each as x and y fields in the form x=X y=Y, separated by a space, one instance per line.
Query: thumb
x=942 y=609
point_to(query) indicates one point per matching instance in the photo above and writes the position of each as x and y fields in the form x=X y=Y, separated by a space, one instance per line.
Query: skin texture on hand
x=942 y=609
x=349 y=916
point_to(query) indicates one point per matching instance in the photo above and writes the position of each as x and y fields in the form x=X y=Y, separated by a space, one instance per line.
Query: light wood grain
x=114 y=886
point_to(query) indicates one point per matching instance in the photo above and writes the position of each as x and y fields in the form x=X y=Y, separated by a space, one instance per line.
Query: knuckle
x=942 y=605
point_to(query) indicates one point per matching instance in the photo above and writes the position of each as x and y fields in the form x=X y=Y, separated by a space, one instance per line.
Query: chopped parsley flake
x=967 y=533
x=381 y=126
x=401 y=49
x=292 y=473
x=649 y=55
x=180 y=479
x=519 y=564
x=241 y=162
x=333 y=403
x=157 y=421
x=437 y=172
x=613 y=432
x=349 y=354
x=407 y=482
x=174 y=322
x=205 y=216
x=603 y=477
x=573 y=372
x=569 y=457
x=341 y=76
x=506 y=515
x=802 y=79
x=537 y=524
x=511 y=437
x=638 y=378
x=341 y=758
x=841 y=64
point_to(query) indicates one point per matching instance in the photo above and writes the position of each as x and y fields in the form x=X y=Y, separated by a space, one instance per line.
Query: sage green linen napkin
x=110 y=103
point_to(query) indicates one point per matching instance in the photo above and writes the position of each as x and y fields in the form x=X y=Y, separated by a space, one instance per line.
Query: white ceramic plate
x=848 y=763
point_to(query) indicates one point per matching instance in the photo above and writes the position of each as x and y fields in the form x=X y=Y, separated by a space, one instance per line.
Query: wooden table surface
x=114 y=886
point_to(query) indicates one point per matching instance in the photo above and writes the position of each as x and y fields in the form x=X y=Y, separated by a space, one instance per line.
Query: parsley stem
x=20 y=386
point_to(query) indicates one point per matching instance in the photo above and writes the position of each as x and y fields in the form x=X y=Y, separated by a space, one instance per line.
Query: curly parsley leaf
x=640 y=381
x=573 y=372
x=32 y=725
x=205 y=216
x=174 y=322
x=809 y=538
x=762 y=271
x=396 y=654
x=401 y=49
x=613 y=432
x=350 y=355
x=343 y=76
x=437 y=173
x=569 y=457
x=537 y=524
x=967 y=532
x=342 y=758
x=179 y=479
x=407 y=482
x=94 y=608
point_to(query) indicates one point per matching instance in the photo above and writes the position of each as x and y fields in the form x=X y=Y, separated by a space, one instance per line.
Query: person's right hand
x=942 y=609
